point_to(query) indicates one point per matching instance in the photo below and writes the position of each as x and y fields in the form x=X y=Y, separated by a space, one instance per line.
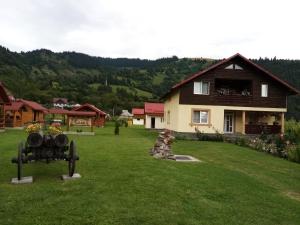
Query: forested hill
x=120 y=83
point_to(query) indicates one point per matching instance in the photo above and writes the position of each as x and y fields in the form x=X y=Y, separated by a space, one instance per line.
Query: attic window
x=234 y=67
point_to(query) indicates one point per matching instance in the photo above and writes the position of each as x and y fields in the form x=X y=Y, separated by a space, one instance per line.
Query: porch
x=253 y=122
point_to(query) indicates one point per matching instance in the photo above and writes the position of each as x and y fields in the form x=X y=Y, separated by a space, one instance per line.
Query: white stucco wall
x=159 y=122
x=136 y=121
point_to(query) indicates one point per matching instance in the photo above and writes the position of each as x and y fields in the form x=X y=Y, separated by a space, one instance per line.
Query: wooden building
x=4 y=99
x=99 y=120
x=232 y=96
x=138 y=116
x=154 y=115
x=22 y=112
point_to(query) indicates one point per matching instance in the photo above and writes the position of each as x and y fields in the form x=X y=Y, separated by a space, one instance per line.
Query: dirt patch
x=293 y=195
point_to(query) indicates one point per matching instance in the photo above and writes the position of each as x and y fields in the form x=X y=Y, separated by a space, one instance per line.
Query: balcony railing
x=259 y=129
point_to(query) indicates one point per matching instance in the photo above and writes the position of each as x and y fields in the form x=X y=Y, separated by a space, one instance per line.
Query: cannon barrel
x=61 y=140
x=35 y=140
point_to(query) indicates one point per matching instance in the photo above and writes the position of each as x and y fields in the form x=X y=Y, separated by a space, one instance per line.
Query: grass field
x=122 y=184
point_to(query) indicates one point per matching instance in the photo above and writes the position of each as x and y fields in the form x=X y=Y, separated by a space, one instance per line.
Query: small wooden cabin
x=21 y=112
x=4 y=99
x=99 y=120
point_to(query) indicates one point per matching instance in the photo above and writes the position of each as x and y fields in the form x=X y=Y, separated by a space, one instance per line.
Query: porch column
x=282 y=122
x=243 y=122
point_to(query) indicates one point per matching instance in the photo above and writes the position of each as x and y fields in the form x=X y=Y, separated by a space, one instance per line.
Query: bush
x=217 y=137
x=292 y=131
x=117 y=128
x=294 y=154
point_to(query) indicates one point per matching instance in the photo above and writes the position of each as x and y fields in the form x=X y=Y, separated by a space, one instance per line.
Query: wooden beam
x=282 y=122
x=243 y=122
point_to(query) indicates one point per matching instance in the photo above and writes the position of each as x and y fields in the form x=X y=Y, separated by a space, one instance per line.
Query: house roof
x=154 y=108
x=90 y=107
x=58 y=111
x=64 y=100
x=138 y=111
x=202 y=72
x=3 y=94
x=34 y=105
x=16 y=105
x=81 y=113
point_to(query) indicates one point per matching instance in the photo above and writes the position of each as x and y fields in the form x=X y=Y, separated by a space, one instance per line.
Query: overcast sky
x=154 y=28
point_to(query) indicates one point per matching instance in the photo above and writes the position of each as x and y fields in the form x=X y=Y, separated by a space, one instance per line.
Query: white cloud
x=152 y=29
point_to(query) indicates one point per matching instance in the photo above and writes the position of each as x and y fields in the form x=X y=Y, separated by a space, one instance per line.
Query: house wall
x=138 y=121
x=159 y=121
x=181 y=116
x=28 y=115
x=276 y=91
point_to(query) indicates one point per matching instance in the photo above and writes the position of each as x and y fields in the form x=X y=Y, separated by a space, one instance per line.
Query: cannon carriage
x=46 y=148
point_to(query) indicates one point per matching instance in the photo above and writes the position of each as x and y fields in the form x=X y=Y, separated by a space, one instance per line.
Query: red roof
x=58 y=111
x=89 y=107
x=81 y=113
x=138 y=111
x=14 y=106
x=154 y=108
x=34 y=105
x=3 y=94
x=198 y=74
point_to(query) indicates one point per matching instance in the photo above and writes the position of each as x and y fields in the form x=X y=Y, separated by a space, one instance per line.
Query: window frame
x=201 y=88
x=266 y=90
x=208 y=111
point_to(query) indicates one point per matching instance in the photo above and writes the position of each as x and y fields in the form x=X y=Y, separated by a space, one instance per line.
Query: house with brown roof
x=99 y=120
x=154 y=115
x=138 y=116
x=60 y=102
x=4 y=99
x=234 y=95
x=22 y=112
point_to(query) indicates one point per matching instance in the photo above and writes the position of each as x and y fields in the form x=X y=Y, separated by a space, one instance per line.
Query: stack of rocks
x=162 y=147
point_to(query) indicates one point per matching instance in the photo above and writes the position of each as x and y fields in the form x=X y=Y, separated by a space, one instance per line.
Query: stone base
x=185 y=158
x=24 y=180
x=67 y=177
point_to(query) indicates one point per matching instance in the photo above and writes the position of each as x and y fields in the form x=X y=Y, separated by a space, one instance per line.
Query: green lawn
x=122 y=184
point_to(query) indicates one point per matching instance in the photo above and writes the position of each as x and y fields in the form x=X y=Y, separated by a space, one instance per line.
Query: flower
x=33 y=128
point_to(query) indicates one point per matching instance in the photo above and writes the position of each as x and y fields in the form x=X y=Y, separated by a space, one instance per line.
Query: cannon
x=46 y=148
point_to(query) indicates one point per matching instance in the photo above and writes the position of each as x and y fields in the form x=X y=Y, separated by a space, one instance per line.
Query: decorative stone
x=162 y=147
x=24 y=180
x=74 y=177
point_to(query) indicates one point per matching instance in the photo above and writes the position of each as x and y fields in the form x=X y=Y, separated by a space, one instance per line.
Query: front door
x=228 y=122
x=152 y=122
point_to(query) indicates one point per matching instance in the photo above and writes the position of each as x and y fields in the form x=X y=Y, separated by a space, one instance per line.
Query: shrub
x=117 y=128
x=293 y=154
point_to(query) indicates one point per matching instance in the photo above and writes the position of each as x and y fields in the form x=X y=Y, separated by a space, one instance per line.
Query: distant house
x=4 y=99
x=154 y=115
x=99 y=120
x=138 y=116
x=233 y=96
x=21 y=112
x=60 y=102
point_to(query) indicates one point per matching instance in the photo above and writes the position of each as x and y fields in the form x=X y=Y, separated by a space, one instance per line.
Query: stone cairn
x=162 y=147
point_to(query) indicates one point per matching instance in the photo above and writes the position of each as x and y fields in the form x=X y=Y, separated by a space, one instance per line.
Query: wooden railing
x=259 y=129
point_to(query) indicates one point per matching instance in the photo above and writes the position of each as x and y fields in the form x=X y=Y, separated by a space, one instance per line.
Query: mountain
x=119 y=83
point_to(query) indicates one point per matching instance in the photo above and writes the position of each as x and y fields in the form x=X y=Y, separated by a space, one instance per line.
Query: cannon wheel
x=72 y=158
x=20 y=152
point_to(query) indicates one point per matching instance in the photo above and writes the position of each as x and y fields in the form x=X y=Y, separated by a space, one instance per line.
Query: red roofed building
x=21 y=112
x=99 y=120
x=4 y=99
x=138 y=116
x=154 y=115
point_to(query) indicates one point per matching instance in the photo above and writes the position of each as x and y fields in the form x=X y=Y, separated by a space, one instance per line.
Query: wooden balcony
x=259 y=129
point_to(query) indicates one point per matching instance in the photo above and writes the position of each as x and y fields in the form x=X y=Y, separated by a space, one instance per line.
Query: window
x=264 y=90
x=200 y=116
x=234 y=67
x=201 y=88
